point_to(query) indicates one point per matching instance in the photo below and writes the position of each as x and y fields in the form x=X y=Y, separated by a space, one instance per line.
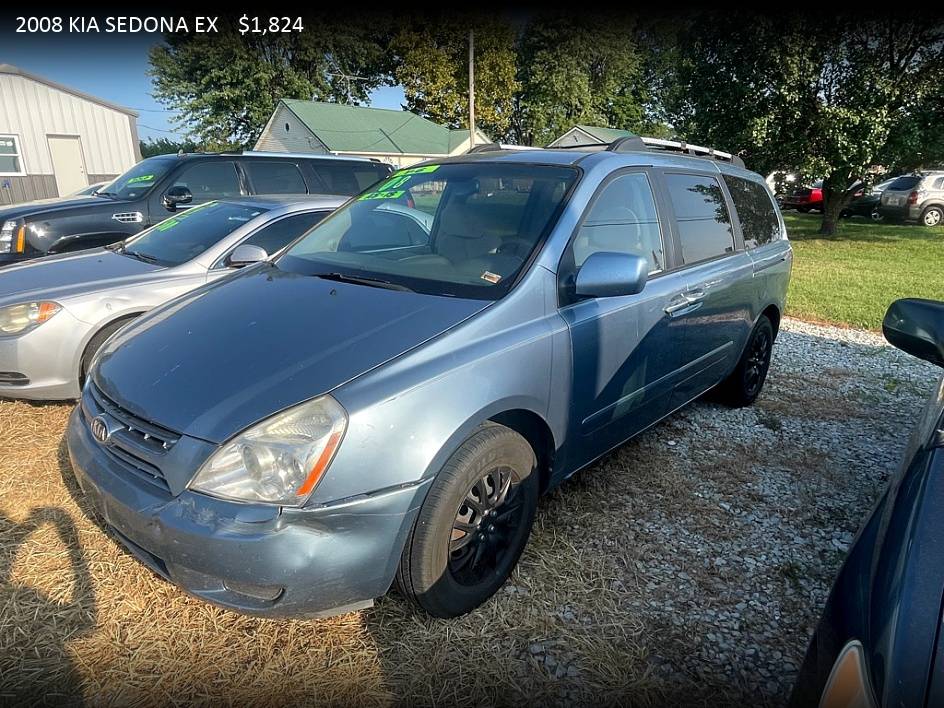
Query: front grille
x=12 y=378
x=152 y=436
x=137 y=445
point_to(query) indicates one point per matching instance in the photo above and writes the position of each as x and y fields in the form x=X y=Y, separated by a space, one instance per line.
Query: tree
x=430 y=61
x=225 y=86
x=577 y=70
x=166 y=146
x=822 y=98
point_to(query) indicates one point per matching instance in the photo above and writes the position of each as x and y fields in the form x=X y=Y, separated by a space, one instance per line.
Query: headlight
x=277 y=461
x=6 y=236
x=17 y=319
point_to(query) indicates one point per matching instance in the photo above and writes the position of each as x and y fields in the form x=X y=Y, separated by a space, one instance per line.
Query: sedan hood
x=225 y=356
x=61 y=276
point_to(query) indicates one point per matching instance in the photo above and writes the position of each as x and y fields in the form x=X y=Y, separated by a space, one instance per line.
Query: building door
x=67 y=163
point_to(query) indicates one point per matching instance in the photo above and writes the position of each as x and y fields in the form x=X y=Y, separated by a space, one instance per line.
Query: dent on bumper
x=316 y=562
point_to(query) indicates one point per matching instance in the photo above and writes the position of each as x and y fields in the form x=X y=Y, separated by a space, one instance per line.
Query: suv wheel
x=932 y=216
x=473 y=526
x=744 y=384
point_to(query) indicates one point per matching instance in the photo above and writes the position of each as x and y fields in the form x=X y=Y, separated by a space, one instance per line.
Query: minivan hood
x=227 y=355
x=65 y=275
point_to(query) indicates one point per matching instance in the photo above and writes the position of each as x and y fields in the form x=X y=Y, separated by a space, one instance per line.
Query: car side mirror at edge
x=246 y=254
x=176 y=195
x=916 y=327
x=609 y=274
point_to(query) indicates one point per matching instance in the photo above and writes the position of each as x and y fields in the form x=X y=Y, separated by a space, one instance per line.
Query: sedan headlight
x=277 y=461
x=17 y=319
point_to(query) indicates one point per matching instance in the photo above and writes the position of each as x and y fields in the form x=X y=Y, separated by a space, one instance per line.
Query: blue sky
x=114 y=68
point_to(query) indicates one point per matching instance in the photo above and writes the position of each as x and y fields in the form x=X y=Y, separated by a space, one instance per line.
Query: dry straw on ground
x=680 y=569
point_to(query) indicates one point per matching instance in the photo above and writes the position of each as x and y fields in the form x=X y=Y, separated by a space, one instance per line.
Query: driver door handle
x=690 y=300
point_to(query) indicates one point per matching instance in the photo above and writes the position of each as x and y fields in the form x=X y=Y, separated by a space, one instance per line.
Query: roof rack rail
x=493 y=147
x=636 y=143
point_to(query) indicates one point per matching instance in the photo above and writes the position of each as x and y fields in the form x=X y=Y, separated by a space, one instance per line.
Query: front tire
x=745 y=383
x=91 y=349
x=473 y=525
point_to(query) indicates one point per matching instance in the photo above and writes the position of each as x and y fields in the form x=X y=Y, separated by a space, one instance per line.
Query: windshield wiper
x=363 y=280
x=104 y=194
x=141 y=256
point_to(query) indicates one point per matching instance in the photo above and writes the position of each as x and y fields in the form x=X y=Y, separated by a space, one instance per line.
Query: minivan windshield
x=186 y=235
x=462 y=229
x=139 y=180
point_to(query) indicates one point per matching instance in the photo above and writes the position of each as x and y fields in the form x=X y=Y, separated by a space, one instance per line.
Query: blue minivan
x=385 y=401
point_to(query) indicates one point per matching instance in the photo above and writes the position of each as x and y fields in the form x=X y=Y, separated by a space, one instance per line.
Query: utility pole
x=471 y=89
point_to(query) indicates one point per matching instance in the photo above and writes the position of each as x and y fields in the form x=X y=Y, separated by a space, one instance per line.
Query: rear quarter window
x=755 y=210
x=903 y=183
x=347 y=178
x=704 y=225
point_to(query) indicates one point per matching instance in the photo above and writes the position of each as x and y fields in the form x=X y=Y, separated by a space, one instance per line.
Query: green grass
x=852 y=277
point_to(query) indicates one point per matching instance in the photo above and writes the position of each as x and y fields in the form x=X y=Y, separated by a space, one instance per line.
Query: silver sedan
x=57 y=311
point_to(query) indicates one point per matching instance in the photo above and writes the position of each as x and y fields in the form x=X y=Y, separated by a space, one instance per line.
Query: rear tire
x=473 y=525
x=932 y=216
x=745 y=383
x=95 y=343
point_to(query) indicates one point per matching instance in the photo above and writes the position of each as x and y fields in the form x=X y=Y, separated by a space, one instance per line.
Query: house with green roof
x=589 y=135
x=398 y=137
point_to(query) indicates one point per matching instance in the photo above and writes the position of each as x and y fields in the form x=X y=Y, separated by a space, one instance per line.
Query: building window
x=11 y=162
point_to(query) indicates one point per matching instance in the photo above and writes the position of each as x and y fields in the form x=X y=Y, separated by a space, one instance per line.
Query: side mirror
x=246 y=254
x=176 y=195
x=607 y=274
x=916 y=327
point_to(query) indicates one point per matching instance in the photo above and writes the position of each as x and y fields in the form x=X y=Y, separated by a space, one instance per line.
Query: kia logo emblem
x=100 y=429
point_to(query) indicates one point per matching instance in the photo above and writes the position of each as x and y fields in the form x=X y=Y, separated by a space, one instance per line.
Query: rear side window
x=904 y=183
x=755 y=210
x=703 y=221
x=210 y=180
x=622 y=220
x=273 y=237
x=275 y=177
x=938 y=183
x=347 y=178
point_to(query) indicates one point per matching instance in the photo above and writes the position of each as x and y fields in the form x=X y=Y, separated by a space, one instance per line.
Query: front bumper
x=252 y=558
x=45 y=361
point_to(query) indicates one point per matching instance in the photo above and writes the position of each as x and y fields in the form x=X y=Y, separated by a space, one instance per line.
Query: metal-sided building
x=399 y=138
x=55 y=140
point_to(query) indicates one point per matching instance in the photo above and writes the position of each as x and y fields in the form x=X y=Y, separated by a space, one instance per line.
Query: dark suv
x=157 y=187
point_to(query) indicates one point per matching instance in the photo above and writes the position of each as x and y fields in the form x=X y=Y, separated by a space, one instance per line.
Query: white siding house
x=55 y=140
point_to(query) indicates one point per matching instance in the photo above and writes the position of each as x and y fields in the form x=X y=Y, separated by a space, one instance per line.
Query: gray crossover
x=385 y=402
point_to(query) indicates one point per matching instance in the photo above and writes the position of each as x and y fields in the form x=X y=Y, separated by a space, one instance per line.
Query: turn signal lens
x=20 y=240
x=848 y=685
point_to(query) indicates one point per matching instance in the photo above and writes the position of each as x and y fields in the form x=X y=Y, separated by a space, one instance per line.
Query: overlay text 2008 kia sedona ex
x=385 y=401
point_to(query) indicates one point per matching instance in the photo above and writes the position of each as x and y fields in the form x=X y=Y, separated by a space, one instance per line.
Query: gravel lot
x=688 y=567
